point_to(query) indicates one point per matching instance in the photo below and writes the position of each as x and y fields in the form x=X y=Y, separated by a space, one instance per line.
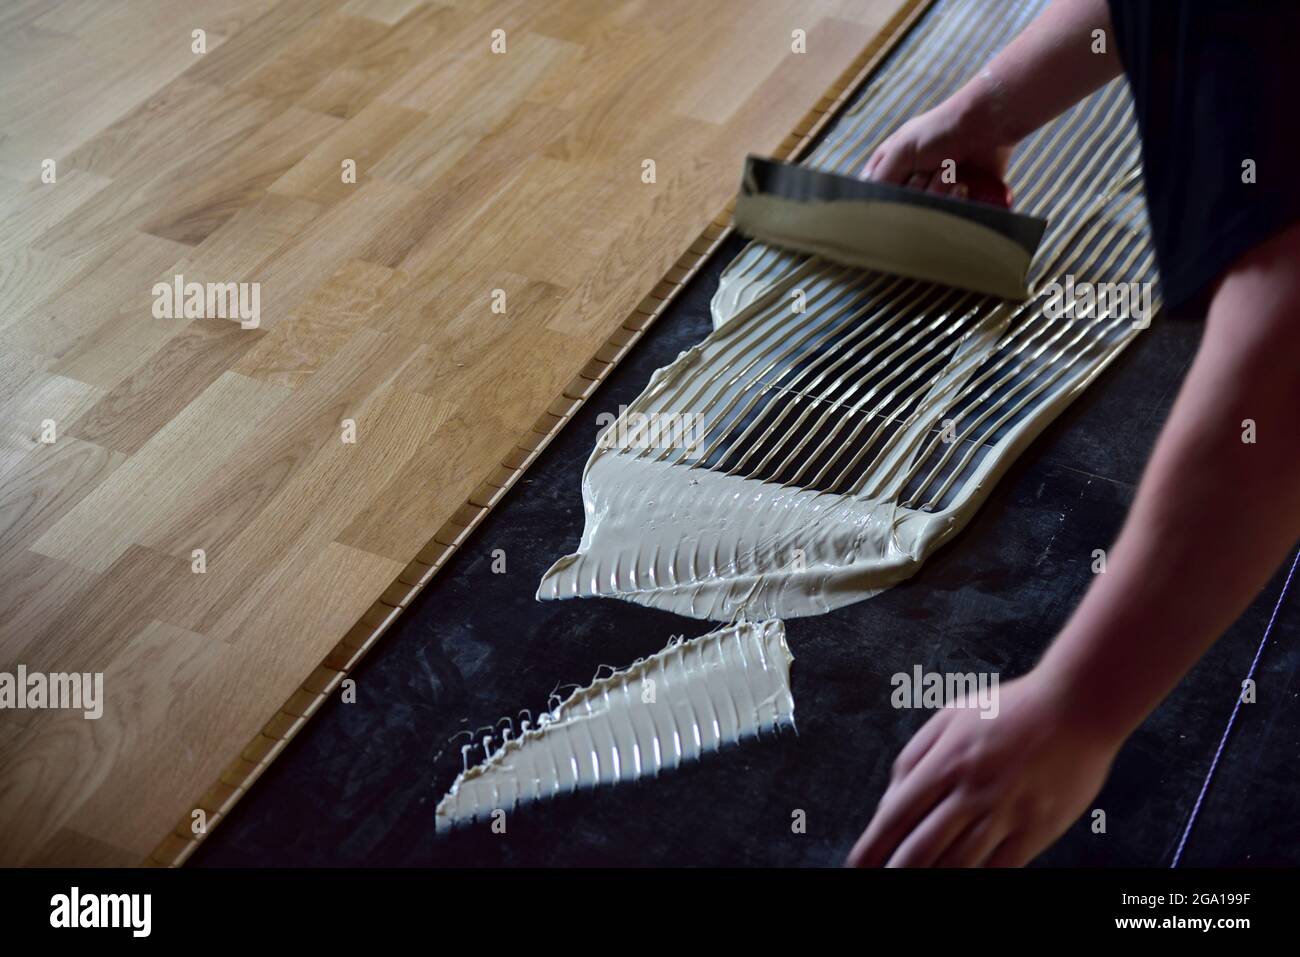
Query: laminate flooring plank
x=443 y=210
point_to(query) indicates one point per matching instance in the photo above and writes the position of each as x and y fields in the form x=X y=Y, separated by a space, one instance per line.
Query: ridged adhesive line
x=780 y=509
x=691 y=698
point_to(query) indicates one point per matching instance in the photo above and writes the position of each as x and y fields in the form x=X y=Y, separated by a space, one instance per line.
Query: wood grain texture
x=475 y=171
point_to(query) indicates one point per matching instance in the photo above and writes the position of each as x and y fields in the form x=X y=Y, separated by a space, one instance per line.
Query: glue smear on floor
x=692 y=697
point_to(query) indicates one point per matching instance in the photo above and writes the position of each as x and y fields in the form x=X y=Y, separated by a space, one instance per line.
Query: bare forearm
x=1214 y=514
x=1045 y=70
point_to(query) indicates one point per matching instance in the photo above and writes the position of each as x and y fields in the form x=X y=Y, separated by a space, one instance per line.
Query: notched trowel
x=957 y=242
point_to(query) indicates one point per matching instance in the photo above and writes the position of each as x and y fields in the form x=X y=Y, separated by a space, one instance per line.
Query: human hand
x=969 y=791
x=914 y=155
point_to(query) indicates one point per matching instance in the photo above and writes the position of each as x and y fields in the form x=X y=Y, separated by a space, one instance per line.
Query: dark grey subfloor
x=359 y=784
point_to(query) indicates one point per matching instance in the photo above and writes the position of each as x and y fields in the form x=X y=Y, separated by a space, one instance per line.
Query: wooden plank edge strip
x=217 y=801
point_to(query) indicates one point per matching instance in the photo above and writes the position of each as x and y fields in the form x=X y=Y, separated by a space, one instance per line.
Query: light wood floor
x=475 y=172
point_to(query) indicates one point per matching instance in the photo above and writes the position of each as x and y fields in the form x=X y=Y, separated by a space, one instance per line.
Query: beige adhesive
x=891 y=409
x=854 y=421
x=722 y=547
x=693 y=697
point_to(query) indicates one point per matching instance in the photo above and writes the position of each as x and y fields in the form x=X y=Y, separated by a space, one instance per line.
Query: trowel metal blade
x=873 y=225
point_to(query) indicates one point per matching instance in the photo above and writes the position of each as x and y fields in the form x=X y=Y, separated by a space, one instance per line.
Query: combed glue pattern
x=850 y=422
